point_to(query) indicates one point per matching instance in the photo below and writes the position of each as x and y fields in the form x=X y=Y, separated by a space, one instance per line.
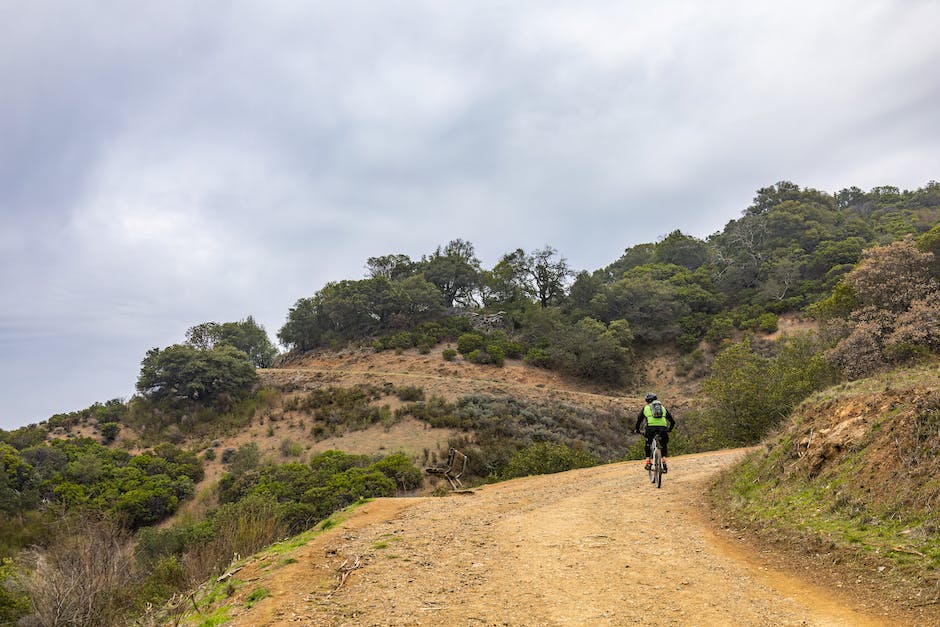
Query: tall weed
x=84 y=578
x=241 y=528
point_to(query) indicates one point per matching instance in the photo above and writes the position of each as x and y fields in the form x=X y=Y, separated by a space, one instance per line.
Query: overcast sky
x=168 y=163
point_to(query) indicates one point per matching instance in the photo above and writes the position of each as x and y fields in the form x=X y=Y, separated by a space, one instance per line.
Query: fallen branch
x=902 y=549
x=809 y=442
x=345 y=573
x=228 y=574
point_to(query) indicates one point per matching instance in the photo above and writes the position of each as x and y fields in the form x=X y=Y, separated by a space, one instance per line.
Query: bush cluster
x=750 y=393
x=424 y=336
x=338 y=409
x=589 y=349
x=90 y=570
x=544 y=458
x=502 y=426
x=330 y=481
x=80 y=475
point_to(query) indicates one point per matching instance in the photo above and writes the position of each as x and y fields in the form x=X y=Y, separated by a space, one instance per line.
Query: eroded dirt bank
x=598 y=546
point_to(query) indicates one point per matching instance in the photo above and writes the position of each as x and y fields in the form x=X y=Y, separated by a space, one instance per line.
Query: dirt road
x=599 y=546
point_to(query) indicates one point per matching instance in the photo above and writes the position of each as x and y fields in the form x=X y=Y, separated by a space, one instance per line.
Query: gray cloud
x=163 y=165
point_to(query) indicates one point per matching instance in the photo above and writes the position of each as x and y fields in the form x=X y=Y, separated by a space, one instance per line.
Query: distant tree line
x=790 y=248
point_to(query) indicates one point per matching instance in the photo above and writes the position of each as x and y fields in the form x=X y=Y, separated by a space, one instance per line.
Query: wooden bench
x=456 y=464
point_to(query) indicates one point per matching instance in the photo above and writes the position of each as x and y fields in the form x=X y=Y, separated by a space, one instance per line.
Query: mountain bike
x=656 y=462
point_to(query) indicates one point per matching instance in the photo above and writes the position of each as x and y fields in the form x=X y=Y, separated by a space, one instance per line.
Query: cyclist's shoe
x=648 y=466
x=665 y=469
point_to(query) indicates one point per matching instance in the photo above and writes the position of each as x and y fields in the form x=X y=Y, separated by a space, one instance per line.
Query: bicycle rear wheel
x=652 y=474
x=657 y=468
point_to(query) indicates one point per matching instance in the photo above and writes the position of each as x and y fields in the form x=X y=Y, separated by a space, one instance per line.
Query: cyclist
x=658 y=420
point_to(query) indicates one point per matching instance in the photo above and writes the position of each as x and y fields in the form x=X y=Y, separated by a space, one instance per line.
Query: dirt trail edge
x=599 y=546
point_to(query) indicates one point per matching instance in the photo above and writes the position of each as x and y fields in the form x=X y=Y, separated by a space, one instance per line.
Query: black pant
x=663 y=439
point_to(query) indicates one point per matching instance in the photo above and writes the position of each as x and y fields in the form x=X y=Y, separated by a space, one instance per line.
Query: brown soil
x=449 y=380
x=598 y=546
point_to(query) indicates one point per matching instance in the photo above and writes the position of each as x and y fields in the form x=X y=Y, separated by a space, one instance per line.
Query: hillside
x=452 y=380
x=853 y=478
x=824 y=499
x=276 y=423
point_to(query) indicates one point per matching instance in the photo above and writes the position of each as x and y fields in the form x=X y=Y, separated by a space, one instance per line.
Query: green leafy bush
x=750 y=393
x=331 y=481
x=401 y=470
x=290 y=448
x=544 y=458
x=720 y=329
x=109 y=431
x=469 y=342
x=497 y=354
x=766 y=322
x=14 y=602
x=410 y=393
x=538 y=356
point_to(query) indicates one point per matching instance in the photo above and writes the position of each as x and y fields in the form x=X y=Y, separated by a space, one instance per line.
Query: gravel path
x=598 y=546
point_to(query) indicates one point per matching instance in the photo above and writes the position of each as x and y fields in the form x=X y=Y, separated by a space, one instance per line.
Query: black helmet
x=650 y=397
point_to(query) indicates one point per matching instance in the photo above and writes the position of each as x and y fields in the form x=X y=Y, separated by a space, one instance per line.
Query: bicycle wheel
x=657 y=468
x=653 y=452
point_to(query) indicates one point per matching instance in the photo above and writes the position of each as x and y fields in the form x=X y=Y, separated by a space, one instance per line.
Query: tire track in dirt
x=597 y=546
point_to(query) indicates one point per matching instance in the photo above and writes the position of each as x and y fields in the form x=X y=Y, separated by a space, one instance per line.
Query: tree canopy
x=181 y=371
x=247 y=336
x=789 y=249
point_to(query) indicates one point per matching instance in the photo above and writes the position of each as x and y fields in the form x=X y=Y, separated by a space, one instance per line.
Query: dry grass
x=81 y=579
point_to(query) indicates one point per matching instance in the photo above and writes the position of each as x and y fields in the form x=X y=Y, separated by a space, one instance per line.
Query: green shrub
x=721 y=328
x=243 y=528
x=497 y=354
x=766 y=322
x=399 y=468
x=109 y=431
x=538 y=357
x=514 y=350
x=751 y=393
x=289 y=448
x=155 y=543
x=469 y=342
x=410 y=393
x=544 y=458
x=165 y=578
x=449 y=354
x=298 y=517
x=686 y=364
x=256 y=595
x=401 y=340
x=14 y=602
